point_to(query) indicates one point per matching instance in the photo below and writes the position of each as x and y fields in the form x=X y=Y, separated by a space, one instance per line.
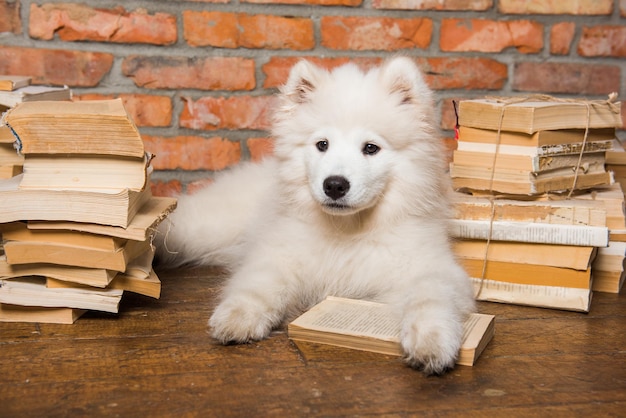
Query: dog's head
x=348 y=137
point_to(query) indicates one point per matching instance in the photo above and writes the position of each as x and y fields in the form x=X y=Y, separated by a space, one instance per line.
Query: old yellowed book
x=16 y=313
x=372 y=326
x=532 y=163
x=18 y=231
x=539 y=139
x=148 y=286
x=12 y=82
x=100 y=127
x=141 y=227
x=26 y=252
x=115 y=208
x=524 y=182
x=559 y=211
x=83 y=275
x=531 y=116
x=34 y=93
x=85 y=172
x=32 y=291
x=554 y=297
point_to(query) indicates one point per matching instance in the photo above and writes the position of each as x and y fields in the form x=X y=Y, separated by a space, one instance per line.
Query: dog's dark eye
x=322 y=145
x=370 y=149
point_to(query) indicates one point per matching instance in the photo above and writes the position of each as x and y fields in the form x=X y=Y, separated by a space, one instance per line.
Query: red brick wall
x=198 y=76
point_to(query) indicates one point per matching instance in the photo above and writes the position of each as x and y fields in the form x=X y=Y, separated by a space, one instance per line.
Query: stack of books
x=77 y=224
x=532 y=147
x=14 y=90
x=540 y=220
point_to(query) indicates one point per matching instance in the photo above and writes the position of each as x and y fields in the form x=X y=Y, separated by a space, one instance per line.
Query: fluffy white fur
x=377 y=230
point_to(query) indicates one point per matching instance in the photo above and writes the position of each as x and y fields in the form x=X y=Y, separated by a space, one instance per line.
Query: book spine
x=589 y=236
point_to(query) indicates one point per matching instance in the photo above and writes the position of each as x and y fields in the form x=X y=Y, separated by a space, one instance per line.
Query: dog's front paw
x=431 y=346
x=237 y=322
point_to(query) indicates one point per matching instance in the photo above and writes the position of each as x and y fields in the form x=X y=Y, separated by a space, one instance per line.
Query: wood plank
x=157 y=356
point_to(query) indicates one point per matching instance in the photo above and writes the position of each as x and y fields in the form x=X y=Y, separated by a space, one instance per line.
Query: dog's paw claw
x=233 y=324
x=430 y=349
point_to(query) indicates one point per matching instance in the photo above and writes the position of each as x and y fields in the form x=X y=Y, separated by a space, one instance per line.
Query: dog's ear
x=402 y=77
x=302 y=81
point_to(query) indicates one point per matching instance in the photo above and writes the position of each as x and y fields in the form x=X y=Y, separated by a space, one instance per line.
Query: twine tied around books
x=610 y=102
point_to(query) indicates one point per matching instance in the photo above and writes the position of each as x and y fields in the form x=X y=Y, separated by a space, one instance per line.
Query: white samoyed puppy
x=353 y=203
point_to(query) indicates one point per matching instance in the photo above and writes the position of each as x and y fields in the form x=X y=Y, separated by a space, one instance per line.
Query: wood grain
x=156 y=358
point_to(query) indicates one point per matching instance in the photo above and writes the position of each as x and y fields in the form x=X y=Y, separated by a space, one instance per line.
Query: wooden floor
x=156 y=359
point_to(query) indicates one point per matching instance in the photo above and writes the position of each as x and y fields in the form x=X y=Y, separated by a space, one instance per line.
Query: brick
x=375 y=33
x=561 y=37
x=260 y=148
x=572 y=78
x=172 y=188
x=439 y=73
x=146 y=110
x=10 y=12
x=603 y=41
x=192 y=152
x=240 y=30
x=349 y=3
x=482 y=35
x=207 y=73
x=56 y=67
x=239 y=112
x=450 y=145
x=79 y=22
x=464 y=73
x=276 y=70
x=474 y=5
x=556 y=7
x=210 y=1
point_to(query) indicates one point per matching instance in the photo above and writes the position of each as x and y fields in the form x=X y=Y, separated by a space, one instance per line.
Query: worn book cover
x=32 y=291
x=530 y=163
x=16 y=313
x=26 y=252
x=101 y=127
x=554 y=297
x=85 y=172
x=141 y=227
x=542 y=233
x=149 y=285
x=83 y=275
x=115 y=208
x=540 y=139
x=12 y=82
x=34 y=93
x=529 y=115
x=524 y=182
x=551 y=211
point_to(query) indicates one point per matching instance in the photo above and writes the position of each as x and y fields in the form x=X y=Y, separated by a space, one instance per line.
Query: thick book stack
x=536 y=210
x=533 y=147
x=77 y=224
x=14 y=90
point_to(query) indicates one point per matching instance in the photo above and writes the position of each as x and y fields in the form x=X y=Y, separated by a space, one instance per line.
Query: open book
x=372 y=326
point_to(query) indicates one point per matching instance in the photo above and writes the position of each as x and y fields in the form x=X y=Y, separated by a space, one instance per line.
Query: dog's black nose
x=336 y=187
